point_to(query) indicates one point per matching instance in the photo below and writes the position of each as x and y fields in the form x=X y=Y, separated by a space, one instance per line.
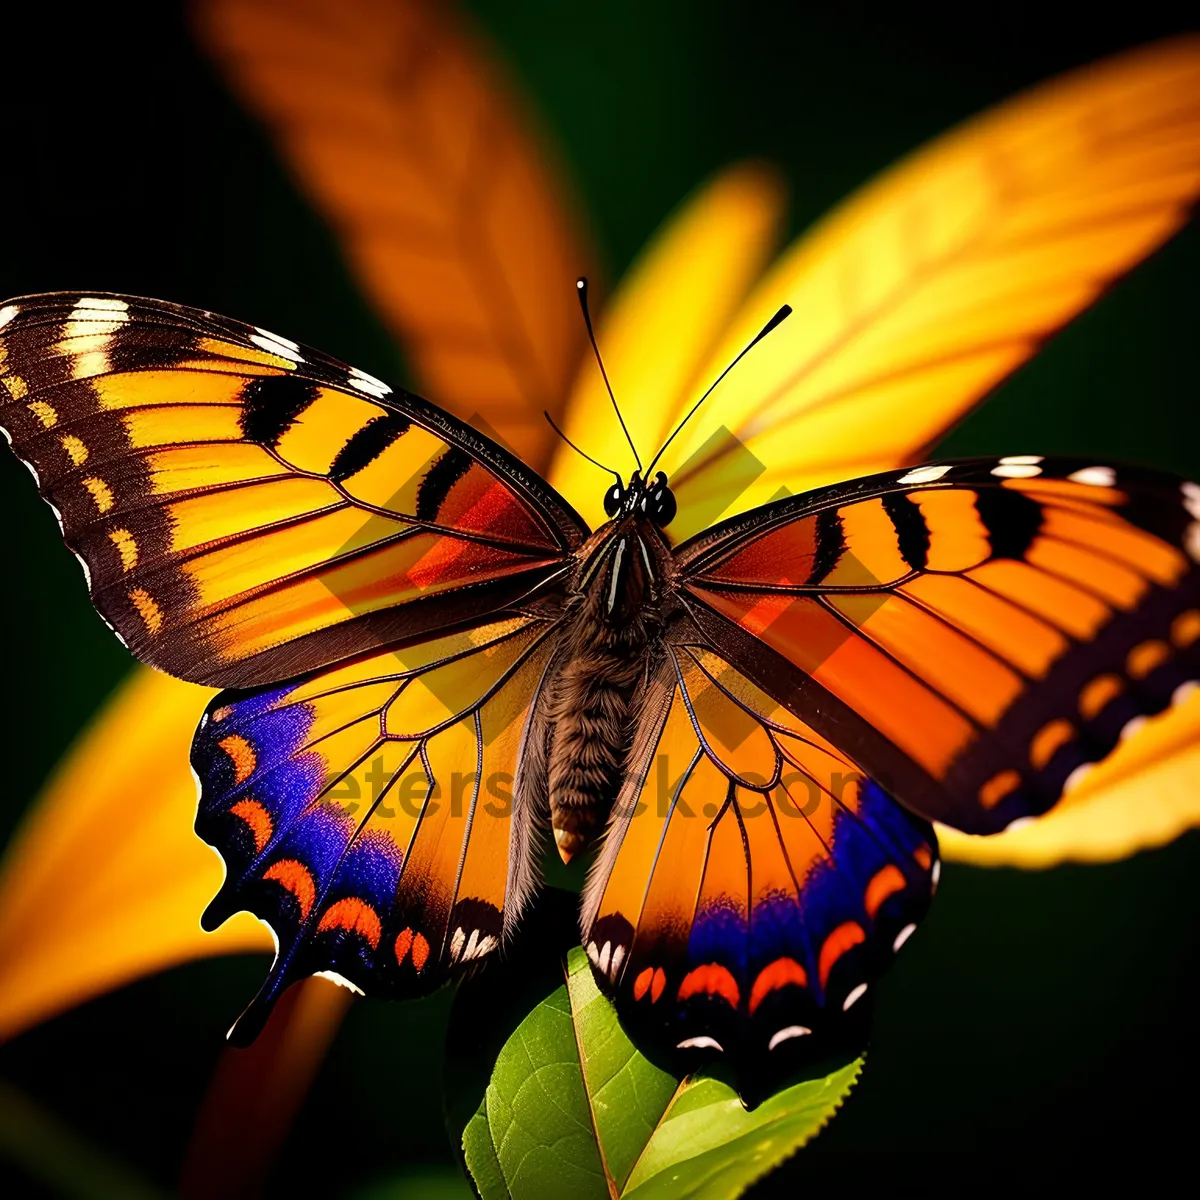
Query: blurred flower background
x=1041 y=1026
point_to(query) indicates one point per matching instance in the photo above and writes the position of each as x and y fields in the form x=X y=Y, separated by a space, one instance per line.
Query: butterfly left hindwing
x=367 y=813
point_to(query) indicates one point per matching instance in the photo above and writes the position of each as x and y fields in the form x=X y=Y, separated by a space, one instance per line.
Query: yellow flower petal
x=915 y=297
x=106 y=881
x=662 y=324
x=1145 y=794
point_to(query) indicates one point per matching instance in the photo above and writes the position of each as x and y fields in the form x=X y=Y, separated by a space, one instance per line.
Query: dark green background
x=1041 y=1031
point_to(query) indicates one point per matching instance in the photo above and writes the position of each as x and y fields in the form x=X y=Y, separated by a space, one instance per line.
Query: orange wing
x=975 y=635
x=753 y=883
x=406 y=135
x=248 y=509
x=366 y=813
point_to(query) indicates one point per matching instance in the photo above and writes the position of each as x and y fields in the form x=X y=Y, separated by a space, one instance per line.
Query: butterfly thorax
x=614 y=610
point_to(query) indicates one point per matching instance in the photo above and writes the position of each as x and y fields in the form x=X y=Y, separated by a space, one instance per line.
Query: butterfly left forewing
x=248 y=509
x=974 y=634
x=366 y=812
x=753 y=883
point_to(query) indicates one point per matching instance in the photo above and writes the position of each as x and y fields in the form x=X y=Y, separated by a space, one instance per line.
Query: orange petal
x=405 y=133
x=106 y=880
x=255 y=1093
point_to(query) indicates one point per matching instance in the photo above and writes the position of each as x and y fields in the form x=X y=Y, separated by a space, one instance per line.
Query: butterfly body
x=428 y=657
x=614 y=611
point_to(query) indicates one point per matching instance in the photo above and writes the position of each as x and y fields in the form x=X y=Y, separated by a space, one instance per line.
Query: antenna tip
x=581 y=282
x=783 y=313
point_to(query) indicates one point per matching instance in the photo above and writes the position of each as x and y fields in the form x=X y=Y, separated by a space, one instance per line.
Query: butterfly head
x=651 y=499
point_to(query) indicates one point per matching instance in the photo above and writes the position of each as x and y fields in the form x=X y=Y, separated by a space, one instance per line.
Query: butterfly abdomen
x=589 y=715
x=616 y=617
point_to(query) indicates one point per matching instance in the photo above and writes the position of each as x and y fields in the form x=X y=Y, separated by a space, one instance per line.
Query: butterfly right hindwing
x=753 y=883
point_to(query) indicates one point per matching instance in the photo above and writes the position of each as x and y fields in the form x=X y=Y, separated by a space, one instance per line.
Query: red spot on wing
x=420 y=952
x=886 y=882
x=641 y=985
x=355 y=915
x=659 y=984
x=480 y=503
x=783 y=972
x=297 y=879
x=844 y=937
x=404 y=941
x=712 y=979
x=450 y=560
x=259 y=820
x=241 y=754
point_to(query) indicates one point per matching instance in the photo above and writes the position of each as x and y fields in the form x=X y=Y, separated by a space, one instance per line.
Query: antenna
x=582 y=285
x=784 y=312
x=577 y=450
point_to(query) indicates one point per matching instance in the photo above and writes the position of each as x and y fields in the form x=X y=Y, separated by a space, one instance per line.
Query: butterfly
x=431 y=665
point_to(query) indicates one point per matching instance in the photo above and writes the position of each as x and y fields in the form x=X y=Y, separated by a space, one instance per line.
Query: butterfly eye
x=613 y=499
x=659 y=502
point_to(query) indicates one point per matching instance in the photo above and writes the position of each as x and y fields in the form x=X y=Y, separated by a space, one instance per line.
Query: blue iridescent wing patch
x=366 y=813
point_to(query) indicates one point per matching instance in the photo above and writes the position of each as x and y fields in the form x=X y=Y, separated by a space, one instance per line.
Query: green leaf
x=572 y=1108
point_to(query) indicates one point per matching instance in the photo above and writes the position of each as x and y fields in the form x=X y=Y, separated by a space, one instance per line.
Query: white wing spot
x=605 y=954
x=1021 y=460
x=855 y=996
x=472 y=944
x=1191 y=498
x=1016 y=470
x=87 y=574
x=903 y=937
x=1184 y=691
x=1191 y=540
x=935 y=876
x=368 y=383
x=617 y=958
x=107 y=303
x=786 y=1034
x=1094 y=476
x=924 y=474
x=456 y=943
x=277 y=338
x=703 y=1042
x=7 y=313
x=593 y=952
x=277 y=346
